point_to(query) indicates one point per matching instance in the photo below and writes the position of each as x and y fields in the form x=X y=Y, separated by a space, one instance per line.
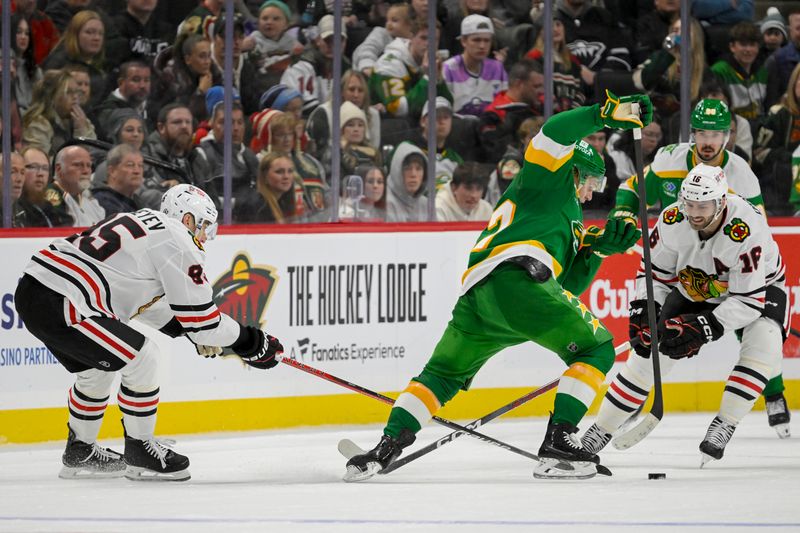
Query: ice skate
x=562 y=456
x=717 y=437
x=595 y=439
x=364 y=466
x=778 y=415
x=84 y=460
x=153 y=460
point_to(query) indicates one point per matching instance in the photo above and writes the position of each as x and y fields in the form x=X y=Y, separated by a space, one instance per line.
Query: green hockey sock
x=774 y=386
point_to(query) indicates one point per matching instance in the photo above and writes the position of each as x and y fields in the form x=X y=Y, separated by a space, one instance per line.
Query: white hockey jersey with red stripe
x=732 y=268
x=121 y=267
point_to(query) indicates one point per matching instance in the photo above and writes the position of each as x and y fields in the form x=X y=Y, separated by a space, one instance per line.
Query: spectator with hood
x=408 y=177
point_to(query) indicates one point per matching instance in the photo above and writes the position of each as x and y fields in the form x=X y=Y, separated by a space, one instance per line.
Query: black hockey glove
x=261 y=351
x=684 y=335
x=639 y=327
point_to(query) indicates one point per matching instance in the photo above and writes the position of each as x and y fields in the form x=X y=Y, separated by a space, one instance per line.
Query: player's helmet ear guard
x=589 y=163
x=704 y=183
x=185 y=198
x=713 y=115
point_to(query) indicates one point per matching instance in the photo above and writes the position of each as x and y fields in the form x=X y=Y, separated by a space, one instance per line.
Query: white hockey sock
x=138 y=393
x=138 y=412
x=87 y=400
x=85 y=414
x=744 y=386
x=624 y=396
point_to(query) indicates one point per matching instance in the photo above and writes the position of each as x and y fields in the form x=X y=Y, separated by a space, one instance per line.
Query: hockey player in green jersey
x=524 y=273
x=711 y=122
x=711 y=125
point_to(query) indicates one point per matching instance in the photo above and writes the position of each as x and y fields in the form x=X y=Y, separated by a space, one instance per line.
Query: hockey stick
x=651 y=420
x=500 y=411
x=385 y=399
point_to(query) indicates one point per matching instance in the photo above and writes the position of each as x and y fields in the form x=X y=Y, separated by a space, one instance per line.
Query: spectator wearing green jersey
x=399 y=80
x=743 y=72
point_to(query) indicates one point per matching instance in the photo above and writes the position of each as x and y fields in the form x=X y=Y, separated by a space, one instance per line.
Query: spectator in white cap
x=472 y=77
x=773 y=30
x=446 y=158
x=312 y=75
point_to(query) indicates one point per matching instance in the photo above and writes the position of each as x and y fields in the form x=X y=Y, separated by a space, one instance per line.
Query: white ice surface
x=290 y=481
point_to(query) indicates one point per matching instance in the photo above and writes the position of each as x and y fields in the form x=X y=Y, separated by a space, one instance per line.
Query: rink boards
x=368 y=306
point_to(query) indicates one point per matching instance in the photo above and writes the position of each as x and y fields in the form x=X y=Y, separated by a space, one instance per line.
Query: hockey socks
x=85 y=414
x=138 y=411
x=774 y=386
x=417 y=404
x=577 y=390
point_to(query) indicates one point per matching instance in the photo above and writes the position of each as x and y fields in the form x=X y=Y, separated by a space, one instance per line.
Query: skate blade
x=549 y=468
x=353 y=474
x=705 y=459
x=136 y=473
x=783 y=431
x=77 y=472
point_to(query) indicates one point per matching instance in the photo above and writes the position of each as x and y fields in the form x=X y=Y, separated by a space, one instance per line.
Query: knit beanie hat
x=215 y=95
x=280 y=5
x=774 y=20
x=350 y=111
x=262 y=130
x=277 y=97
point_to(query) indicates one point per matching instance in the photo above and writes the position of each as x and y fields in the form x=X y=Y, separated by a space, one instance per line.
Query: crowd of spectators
x=115 y=101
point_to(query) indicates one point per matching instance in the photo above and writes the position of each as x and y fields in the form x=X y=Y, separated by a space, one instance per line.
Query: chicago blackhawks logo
x=243 y=292
x=701 y=286
x=673 y=215
x=737 y=230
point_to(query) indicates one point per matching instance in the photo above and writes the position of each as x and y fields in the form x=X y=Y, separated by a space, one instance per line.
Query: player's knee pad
x=94 y=383
x=762 y=346
x=141 y=374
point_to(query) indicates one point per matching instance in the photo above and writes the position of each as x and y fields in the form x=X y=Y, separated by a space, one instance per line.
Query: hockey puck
x=656 y=475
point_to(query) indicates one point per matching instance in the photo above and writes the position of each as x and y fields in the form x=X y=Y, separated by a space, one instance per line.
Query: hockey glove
x=618 y=235
x=684 y=335
x=208 y=351
x=618 y=113
x=262 y=352
x=639 y=327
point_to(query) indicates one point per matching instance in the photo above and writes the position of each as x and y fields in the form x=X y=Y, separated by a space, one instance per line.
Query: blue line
x=344 y=521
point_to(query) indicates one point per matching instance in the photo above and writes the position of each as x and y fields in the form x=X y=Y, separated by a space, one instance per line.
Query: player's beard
x=703 y=152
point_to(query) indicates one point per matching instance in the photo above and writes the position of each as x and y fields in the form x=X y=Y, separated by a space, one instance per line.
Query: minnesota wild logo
x=737 y=230
x=673 y=215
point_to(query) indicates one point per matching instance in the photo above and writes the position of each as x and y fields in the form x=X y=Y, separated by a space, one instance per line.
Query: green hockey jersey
x=539 y=215
x=663 y=178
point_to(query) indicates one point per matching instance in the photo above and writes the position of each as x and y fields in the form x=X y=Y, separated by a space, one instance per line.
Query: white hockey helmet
x=704 y=183
x=185 y=198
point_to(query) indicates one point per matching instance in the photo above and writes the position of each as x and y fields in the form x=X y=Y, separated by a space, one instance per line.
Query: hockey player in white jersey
x=711 y=124
x=77 y=296
x=715 y=268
